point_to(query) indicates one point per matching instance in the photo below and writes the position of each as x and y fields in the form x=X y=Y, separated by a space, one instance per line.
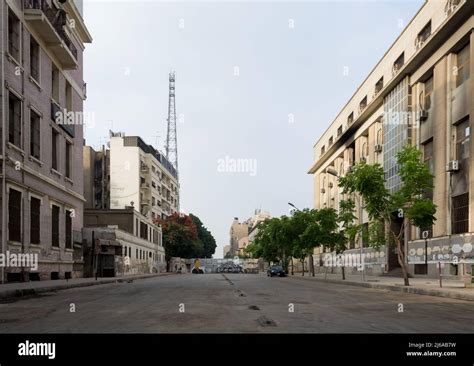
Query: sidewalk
x=420 y=286
x=15 y=290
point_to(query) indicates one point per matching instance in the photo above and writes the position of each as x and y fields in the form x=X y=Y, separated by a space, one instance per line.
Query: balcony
x=60 y=117
x=50 y=23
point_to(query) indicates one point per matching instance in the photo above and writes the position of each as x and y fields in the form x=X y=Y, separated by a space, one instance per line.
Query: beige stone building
x=419 y=93
x=238 y=230
x=42 y=93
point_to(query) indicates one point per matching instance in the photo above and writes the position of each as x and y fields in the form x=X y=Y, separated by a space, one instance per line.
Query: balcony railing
x=57 y=21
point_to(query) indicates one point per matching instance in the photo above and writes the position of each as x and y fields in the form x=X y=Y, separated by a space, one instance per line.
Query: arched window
x=365 y=150
x=379 y=137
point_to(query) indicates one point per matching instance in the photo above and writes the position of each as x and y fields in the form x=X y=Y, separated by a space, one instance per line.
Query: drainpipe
x=4 y=126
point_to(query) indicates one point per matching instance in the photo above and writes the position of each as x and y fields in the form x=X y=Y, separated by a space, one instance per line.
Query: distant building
x=226 y=250
x=121 y=242
x=126 y=186
x=141 y=174
x=243 y=233
x=238 y=230
x=254 y=221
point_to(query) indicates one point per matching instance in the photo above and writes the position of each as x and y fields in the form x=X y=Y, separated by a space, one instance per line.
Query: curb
x=397 y=288
x=16 y=294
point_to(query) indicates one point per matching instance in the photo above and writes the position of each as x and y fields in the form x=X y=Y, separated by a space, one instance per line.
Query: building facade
x=141 y=174
x=238 y=230
x=121 y=242
x=419 y=93
x=42 y=93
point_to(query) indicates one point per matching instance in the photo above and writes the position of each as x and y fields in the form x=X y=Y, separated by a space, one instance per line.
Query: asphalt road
x=233 y=303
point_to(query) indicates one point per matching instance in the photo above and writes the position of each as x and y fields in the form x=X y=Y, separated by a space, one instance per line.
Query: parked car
x=276 y=271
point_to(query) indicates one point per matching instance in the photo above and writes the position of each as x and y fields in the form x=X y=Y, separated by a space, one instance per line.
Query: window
x=14 y=120
x=331 y=140
x=323 y=150
x=363 y=104
x=13 y=35
x=350 y=119
x=462 y=140
x=153 y=201
x=423 y=35
x=379 y=85
x=399 y=62
x=364 y=150
x=55 y=226
x=428 y=94
x=54 y=149
x=68 y=229
x=68 y=96
x=68 y=160
x=35 y=205
x=34 y=59
x=124 y=251
x=136 y=253
x=460 y=218
x=428 y=155
x=55 y=84
x=34 y=134
x=130 y=252
x=143 y=230
x=14 y=215
x=379 y=137
x=462 y=66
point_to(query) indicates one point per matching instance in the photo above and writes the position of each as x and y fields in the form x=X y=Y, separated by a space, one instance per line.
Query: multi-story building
x=42 y=93
x=226 y=250
x=141 y=174
x=238 y=230
x=121 y=242
x=419 y=93
x=127 y=187
x=254 y=221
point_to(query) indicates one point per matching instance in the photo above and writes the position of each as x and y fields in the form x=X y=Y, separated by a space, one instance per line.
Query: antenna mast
x=171 y=136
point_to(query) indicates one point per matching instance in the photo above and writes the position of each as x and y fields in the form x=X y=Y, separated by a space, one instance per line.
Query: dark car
x=276 y=271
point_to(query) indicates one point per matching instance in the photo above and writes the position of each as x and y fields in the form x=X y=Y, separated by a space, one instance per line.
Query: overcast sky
x=257 y=83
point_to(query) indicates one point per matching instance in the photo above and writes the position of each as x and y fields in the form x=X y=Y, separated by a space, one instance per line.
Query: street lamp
x=292 y=205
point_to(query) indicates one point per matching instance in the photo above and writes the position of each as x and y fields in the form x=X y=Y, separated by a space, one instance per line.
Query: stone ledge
x=398 y=288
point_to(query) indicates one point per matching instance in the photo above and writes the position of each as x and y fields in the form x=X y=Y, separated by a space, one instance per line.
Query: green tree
x=208 y=242
x=180 y=238
x=408 y=202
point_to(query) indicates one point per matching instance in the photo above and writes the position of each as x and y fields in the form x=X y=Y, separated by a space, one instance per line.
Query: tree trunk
x=401 y=254
x=302 y=262
x=311 y=264
x=292 y=269
x=343 y=273
x=401 y=261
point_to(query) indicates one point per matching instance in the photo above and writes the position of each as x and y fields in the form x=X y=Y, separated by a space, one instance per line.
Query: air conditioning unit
x=330 y=185
x=323 y=190
x=452 y=166
x=378 y=148
x=423 y=115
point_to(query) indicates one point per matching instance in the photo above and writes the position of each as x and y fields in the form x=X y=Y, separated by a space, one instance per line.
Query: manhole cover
x=266 y=322
x=254 y=307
